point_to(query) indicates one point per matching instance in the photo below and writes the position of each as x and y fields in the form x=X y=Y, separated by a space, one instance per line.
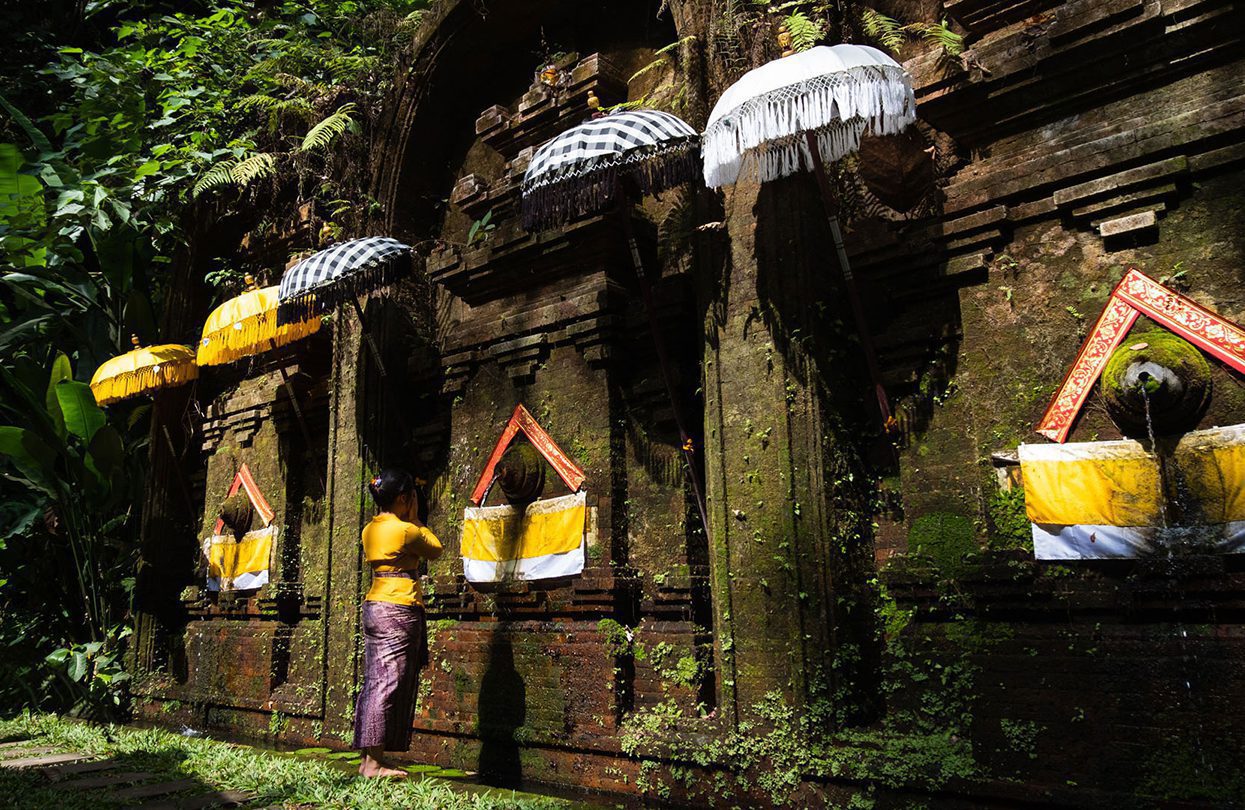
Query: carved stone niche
x=511 y=260
x=254 y=423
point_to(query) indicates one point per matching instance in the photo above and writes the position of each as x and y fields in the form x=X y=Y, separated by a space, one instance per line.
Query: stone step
x=58 y=772
x=157 y=789
x=26 y=753
x=13 y=744
x=106 y=780
x=224 y=798
x=51 y=759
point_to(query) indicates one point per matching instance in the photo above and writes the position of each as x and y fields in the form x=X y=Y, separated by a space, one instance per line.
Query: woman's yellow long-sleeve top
x=392 y=544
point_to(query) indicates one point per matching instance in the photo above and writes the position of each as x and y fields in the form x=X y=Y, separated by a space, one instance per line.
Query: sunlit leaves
x=324 y=133
x=81 y=415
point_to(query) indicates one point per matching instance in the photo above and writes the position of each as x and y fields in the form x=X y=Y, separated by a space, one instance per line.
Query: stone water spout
x=1160 y=374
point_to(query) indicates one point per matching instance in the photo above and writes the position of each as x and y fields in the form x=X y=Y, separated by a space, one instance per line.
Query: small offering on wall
x=531 y=537
x=238 y=553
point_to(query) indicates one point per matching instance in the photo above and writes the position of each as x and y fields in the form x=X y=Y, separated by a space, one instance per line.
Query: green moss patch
x=944 y=537
x=1171 y=412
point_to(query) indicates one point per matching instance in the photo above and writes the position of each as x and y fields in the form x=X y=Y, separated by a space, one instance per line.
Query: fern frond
x=637 y=104
x=346 y=67
x=886 y=31
x=661 y=61
x=941 y=36
x=330 y=129
x=805 y=32
x=221 y=174
x=298 y=84
x=255 y=167
x=257 y=101
x=677 y=44
x=663 y=58
x=411 y=21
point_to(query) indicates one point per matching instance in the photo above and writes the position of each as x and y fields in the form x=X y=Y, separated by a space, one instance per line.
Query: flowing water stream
x=1170 y=538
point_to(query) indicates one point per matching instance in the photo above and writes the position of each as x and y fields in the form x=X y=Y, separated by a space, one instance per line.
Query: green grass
x=296 y=781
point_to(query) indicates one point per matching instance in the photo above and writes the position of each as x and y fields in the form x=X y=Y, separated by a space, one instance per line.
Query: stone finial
x=784 y=40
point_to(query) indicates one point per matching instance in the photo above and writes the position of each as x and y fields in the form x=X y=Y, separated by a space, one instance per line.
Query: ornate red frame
x=1138 y=294
x=523 y=421
x=244 y=480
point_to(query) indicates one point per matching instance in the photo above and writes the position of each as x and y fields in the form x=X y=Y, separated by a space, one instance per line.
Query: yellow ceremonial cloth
x=1098 y=483
x=239 y=564
x=497 y=537
x=1211 y=466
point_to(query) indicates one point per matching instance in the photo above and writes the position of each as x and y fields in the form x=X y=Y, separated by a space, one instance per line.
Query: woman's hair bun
x=389 y=485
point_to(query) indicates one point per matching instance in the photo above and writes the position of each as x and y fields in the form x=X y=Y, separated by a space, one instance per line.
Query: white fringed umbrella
x=800 y=111
x=834 y=93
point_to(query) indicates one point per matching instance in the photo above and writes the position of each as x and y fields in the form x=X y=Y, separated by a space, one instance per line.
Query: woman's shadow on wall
x=502 y=710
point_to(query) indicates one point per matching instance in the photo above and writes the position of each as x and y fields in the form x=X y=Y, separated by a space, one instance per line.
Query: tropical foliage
x=124 y=125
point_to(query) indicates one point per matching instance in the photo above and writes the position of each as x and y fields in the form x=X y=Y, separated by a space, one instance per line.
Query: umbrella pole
x=298 y=414
x=380 y=366
x=853 y=294
x=646 y=292
x=371 y=342
x=176 y=462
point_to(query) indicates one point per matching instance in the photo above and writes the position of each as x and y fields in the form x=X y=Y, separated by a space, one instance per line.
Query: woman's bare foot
x=373 y=767
x=382 y=772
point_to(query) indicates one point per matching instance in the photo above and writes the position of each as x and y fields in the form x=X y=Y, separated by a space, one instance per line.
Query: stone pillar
x=350 y=399
x=784 y=528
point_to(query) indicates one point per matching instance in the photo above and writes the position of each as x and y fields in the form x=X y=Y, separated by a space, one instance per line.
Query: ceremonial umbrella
x=322 y=281
x=594 y=167
x=247 y=325
x=143 y=370
x=798 y=112
x=585 y=169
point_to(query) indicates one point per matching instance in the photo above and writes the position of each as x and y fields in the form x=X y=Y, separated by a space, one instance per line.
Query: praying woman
x=395 y=641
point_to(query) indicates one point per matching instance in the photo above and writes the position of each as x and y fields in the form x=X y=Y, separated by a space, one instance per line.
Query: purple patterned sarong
x=395 y=648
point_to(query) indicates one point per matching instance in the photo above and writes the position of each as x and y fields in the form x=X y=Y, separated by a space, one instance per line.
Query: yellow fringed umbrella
x=142 y=370
x=247 y=325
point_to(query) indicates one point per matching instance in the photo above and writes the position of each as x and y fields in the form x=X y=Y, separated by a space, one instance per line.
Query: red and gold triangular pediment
x=245 y=481
x=1138 y=294
x=522 y=421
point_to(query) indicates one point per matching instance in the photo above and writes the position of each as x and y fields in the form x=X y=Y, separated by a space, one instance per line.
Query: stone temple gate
x=1037 y=173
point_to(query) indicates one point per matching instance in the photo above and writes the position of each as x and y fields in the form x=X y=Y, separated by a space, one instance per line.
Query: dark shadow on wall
x=401 y=419
x=502 y=710
x=803 y=303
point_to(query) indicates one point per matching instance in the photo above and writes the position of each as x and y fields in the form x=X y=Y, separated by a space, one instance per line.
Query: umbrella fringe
x=257 y=335
x=840 y=107
x=141 y=381
x=562 y=199
x=359 y=281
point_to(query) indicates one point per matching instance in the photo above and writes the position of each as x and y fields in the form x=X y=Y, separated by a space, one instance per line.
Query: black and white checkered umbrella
x=588 y=167
x=581 y=171
x=343 y=272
